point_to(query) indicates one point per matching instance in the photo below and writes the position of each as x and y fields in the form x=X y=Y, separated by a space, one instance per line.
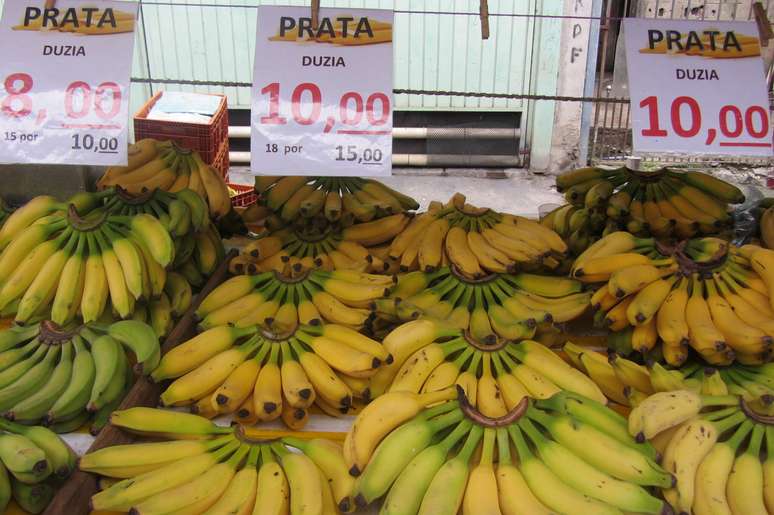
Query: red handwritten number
x=295 y=103
x=344 y=110
x=651 y=103
x=764 y=118
x=85 y=99
x=736 y=116
x=677 y=122
x=17 y=94
x=115 y=100
x=274 y=118
x=385 y=107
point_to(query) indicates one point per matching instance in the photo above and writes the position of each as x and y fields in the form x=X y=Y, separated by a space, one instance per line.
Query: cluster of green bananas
x=166 y=166
x=579 y=226
x=323 y=200
x=702 y=293
x=61 y=377
x=494 y=307
x=280 y=303
x=199 y=467
x=764 y=216
x=58 y=264
x=429 y=356
x=198 y=246
x=293 y=251
x=628 y=382
x=572 y=455
x=715 y=447
x=661 y=203
x=263 y=376
x=5 y=211
x=475 y=240
x=34 y=461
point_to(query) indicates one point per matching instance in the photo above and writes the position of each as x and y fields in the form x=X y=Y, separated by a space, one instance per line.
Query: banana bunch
x=628 y=382
x=62 y=376
x=198 y=245
x=702 y=293
x=263 y=376
x=661 y=203
x=194 y=466
x=475 y=240
x=579 y=226
x=567 y=454
x=494 y=307
x=343 y=200
x=429 y=357
x=720 y=451
x=62 y=265
x=166 y=166
x=33 y=462
x=280 y=303
x=5 y=212
x=293 y=251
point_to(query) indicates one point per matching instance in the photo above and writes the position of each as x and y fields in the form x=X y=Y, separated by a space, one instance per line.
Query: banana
x=239 y=497
x=24 y=460
x=431 y=246
x=267 y=393
x=95 y=285
x=141 y=340
x=273 y=492
x=37 y=404
x=301 y=473
x=24 y=216
x=171 y=424
x=744 y=489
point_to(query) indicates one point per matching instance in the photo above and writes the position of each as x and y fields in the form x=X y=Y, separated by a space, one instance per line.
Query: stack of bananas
x=628 y=383
x=58 y=264
x=198 y=246
x=661 y=203
x=62 y=377
x=262 y=375
x=33 y=462
x=703 y=293
x=199 y=467
x=164 y=165
x=494 y=307
x=5 y=211
x=567 y=454
x=344 y=200
x=279 y=303
x=475 y=240
x=428 y=357
x=720 y=452
x=295 y=250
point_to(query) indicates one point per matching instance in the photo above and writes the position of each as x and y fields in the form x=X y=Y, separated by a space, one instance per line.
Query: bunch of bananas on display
x=764 y=214
x=62 y=376
x=198 y=246
x=58 y=264
x=477 y=241
x=5 y=211
x=701 y=293
x=661 y=203
x=164 y=165
x=343 y=200
x=580 y=225
x=429 y=356
x=628 y=382
x=567 y=454
x=265 y=375
x=720 y=452
x=279 y=303
x=494 y=307
x=199 y=467
x=34 y=461
x=295 y=250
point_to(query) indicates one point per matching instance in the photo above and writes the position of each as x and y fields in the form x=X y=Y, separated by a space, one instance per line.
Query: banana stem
x=428 y=398
x=754 y=447
x=503 y=447
x=488 y=448
x=439 y=410
x=719 y=400
x=474 y=436
x=438 y=424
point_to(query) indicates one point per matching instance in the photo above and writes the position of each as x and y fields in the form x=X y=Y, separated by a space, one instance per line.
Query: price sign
x=322 y=99
x=697 y=87
x=64 y=81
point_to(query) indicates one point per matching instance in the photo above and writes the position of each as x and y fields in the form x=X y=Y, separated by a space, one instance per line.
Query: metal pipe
x=431 y=160
x=243 y=132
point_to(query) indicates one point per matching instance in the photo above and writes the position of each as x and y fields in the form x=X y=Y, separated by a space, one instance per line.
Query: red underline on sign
x=89 y=126
x=363 y=132
x=734 y=144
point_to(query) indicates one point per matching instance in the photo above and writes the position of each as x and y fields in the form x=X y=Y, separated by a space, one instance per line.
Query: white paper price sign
x=697 y=87
x=64 y=81
x=322 y=99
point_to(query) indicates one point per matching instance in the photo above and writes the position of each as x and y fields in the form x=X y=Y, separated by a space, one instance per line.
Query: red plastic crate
x=206 y=139
x=221 y=161
x=245 y=196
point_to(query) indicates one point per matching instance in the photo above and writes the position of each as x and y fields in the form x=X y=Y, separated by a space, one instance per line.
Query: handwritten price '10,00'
x=79 y=99
x=306 y=109
x=733 y=123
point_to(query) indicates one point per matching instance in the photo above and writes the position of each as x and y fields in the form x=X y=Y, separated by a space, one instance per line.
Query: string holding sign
x=483 y=14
